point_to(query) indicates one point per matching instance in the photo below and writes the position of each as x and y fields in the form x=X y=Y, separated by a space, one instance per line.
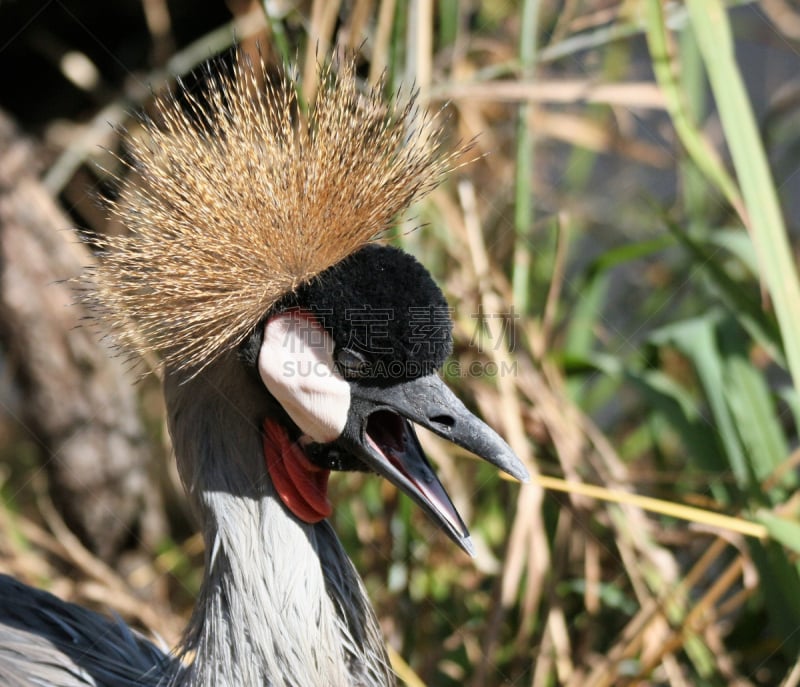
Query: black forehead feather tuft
x=381 y=303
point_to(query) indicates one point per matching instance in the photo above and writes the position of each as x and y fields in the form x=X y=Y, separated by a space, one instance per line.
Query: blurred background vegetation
x=621 y=263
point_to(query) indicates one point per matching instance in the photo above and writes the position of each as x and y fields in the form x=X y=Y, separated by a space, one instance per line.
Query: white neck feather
x=281 y=603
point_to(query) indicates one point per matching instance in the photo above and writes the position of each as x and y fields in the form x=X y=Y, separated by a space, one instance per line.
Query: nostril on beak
x=445 y=422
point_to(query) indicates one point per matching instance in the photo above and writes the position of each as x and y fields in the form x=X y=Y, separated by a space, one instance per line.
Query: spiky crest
x=238 y=199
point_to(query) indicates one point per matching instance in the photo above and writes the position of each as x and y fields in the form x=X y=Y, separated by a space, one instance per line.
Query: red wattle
x=301 y=485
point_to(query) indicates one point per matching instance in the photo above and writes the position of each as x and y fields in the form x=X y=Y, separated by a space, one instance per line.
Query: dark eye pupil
x=351 y=363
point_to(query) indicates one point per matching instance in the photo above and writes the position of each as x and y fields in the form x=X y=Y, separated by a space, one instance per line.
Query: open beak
x=380 y=432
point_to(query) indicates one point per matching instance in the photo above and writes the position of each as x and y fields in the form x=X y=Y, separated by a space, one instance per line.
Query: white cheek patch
x=296 y=365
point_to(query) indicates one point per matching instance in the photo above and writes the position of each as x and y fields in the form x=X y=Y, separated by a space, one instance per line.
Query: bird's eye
x=351 y=363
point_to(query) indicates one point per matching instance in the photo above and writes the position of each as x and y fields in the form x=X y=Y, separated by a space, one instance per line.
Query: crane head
x=352 y=359
x=251 y=226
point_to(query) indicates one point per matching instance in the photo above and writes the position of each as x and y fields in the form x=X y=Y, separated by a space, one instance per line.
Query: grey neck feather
x=280 y=604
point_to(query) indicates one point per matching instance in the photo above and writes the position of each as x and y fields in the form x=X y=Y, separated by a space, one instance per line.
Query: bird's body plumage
x=47 y=642
x=248 y=251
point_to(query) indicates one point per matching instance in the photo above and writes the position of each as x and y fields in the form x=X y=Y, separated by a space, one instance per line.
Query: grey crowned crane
x=293 y=345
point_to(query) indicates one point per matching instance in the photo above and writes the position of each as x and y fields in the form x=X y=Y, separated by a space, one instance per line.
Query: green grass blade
x=523 y=204
x=781 y=529
x=279 y=37
x=710 y=23
x=752 y=406
x=697 y=339
x=741 y=299
x=779 y=581
x=703 y=155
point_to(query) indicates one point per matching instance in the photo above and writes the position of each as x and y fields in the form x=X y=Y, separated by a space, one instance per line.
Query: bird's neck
x=280 y=602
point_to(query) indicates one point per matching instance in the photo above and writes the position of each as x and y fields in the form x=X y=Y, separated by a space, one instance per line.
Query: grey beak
x=380 y=433
x=429 y=402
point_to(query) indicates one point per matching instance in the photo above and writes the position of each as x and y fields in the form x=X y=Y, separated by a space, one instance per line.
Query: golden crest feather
x=237 y=199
